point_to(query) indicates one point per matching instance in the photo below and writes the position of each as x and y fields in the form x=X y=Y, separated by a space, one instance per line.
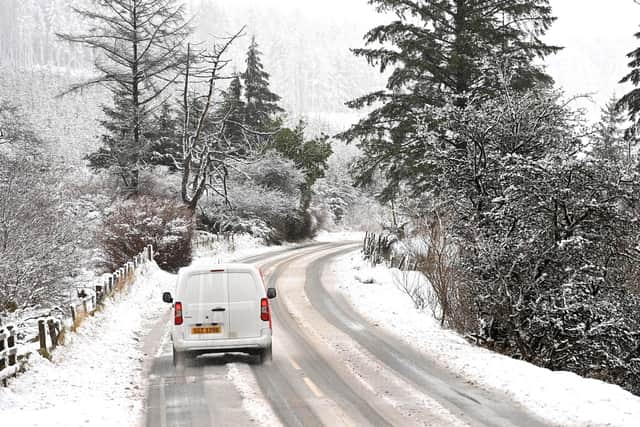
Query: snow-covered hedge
x=135 y=223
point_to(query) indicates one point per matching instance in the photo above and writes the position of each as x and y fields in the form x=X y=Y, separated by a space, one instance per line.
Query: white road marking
x=294 y=364
x=313 y=387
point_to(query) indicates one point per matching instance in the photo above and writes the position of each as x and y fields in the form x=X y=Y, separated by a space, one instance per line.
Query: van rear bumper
x=223 y=345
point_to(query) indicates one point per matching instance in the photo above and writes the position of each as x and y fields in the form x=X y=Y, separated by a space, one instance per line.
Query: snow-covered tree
x=138 y=46
x=309 y=155
x=546 y=239
x=608 y=141
x=630 y=102
x=261 y=104
x=233 y=107
x=438 y=51
x=39 y=232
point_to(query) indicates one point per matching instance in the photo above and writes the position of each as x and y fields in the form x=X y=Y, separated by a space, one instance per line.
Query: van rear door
x=205 y=303
x=245 y=292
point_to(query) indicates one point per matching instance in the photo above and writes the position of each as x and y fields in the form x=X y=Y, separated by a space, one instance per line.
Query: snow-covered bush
x=263 y=192
x=547 y=240
x=39 y=235
x=132 y=224
x=341 y=203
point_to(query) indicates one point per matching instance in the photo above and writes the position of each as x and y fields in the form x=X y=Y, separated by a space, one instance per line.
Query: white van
x=221 y=309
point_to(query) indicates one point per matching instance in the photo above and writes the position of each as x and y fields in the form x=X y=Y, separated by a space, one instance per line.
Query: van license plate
x=207 y=330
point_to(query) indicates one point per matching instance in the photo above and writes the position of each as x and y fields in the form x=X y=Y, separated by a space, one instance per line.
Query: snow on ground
x=96 y=378
x=341 y=236
x=253 y=401
x=560 y=397
x=242 y=246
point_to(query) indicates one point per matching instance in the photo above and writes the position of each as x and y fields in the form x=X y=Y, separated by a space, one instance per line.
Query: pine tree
x=231 y=112
x=165 y=138
x=630 y=102
x=261 y=104
x=609 y=140
x=138 y=46
x=441 y=52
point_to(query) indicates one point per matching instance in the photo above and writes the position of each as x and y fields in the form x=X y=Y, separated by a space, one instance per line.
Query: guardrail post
x=150 y=249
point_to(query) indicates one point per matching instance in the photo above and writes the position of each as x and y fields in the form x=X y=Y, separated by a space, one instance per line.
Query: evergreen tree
x=308 y=155
x=440 y=52
x=231 y=113
x=138 y=45
x=609 y=141
x=165 y=138
x=261 y=104
x=631 y=101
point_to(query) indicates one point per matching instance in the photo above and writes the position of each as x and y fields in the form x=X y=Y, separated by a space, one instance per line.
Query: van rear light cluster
x=178 y=313
x=265 y=314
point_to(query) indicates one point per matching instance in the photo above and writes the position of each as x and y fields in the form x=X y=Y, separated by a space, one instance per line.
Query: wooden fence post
x=42 y=334
x=52 y=333
x=11 y=346
x=99 y=294
x=3 y=360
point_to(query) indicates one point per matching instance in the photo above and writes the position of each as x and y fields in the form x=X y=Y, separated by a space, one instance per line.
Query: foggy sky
x=596 y=35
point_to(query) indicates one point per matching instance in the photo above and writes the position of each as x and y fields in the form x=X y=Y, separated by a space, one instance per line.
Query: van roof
x=205 y=268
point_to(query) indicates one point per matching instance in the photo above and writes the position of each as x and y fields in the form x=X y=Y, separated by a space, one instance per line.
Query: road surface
x=331 y=367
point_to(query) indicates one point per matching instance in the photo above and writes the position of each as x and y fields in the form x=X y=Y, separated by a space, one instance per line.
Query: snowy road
x=330 y=367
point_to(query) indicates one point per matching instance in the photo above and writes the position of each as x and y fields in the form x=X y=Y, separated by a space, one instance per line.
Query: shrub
x=38 y=235
x=132 y=224
x=266 y=192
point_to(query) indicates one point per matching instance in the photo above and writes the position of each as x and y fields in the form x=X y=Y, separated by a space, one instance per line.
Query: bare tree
x=139 y=55
x=208 y=155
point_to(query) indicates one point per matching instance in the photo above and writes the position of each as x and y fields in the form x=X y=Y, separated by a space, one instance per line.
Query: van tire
x=266 y=355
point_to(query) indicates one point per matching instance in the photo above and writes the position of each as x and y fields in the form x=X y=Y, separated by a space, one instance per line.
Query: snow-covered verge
x=96 y=377
x=562 y=398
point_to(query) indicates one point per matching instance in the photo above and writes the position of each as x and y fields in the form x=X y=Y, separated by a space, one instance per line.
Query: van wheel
x=178 y=358
x=266 y=355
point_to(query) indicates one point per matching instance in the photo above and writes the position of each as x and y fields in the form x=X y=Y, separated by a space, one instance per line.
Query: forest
x=523 y=216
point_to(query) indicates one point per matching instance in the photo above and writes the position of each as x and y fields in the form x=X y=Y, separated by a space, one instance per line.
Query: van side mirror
x=271 y=293
x=166 y=297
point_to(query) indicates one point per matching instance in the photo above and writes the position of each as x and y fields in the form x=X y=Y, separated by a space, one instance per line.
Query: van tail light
x=265 y=314
x=178 y=313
